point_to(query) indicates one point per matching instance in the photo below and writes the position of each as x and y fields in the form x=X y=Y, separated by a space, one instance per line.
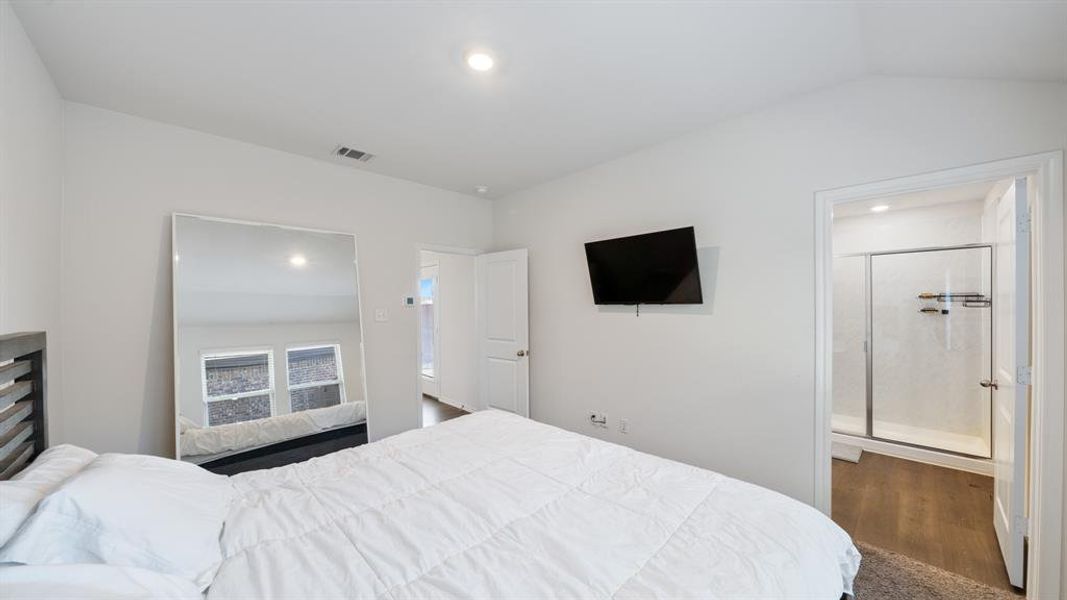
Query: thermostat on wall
x=408 y=300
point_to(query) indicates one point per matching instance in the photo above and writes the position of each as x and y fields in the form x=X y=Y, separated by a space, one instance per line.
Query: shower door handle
x=986 y=383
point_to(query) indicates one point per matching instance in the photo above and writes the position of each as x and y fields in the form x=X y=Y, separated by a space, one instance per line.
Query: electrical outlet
x=624 y=425
x=598 y=419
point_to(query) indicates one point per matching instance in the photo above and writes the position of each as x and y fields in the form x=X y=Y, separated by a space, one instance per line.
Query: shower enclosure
x=913 y=347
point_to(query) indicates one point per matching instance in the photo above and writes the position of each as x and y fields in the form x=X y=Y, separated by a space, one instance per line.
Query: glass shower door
x=930 y=344
x=850 y=338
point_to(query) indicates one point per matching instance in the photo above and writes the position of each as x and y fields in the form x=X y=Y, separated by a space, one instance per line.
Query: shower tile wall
x=926 y=367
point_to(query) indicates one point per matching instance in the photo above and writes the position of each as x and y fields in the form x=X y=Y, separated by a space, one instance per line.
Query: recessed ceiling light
x=480 y=61
x=481 y=189
x=880 y=208
x=298 y=260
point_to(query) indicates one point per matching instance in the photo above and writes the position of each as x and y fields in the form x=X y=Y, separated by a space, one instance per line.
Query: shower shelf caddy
x=965 y=299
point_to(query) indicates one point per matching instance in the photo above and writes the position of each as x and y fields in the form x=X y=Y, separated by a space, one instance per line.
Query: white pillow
x=93 y=581
x=129 y=510
x=19 y=496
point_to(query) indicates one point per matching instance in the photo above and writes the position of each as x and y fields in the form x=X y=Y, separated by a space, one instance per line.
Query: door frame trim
x=1047 y=266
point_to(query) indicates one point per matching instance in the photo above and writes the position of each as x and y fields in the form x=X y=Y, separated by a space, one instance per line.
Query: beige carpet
x=886 y=575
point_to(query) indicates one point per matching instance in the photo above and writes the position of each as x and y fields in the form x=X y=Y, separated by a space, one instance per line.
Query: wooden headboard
x=23 y=431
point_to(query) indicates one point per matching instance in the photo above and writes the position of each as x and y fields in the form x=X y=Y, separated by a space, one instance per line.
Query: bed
x=485 y=505
x=23 y=433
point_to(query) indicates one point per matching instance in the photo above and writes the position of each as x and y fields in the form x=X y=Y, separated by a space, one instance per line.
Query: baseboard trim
x=930 y=457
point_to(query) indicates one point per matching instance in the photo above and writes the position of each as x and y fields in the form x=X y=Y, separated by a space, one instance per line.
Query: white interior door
x=504 y=331
x=1011 y=371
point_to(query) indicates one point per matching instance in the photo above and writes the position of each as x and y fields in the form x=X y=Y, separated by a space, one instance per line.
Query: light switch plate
x=381 y=315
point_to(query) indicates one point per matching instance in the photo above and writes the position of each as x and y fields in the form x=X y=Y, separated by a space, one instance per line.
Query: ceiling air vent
x=352 y=153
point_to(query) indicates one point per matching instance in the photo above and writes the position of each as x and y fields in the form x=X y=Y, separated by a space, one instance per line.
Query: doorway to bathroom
x=935 y=389
x=913 y=402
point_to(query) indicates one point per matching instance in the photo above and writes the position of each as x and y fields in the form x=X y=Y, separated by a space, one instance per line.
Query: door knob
x=988 y=384
x=521 y=353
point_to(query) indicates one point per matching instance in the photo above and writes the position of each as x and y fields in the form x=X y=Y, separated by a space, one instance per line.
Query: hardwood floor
x=939 y=516
x=434 y=411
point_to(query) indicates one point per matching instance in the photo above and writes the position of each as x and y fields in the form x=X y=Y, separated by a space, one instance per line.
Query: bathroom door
x=1011 y=383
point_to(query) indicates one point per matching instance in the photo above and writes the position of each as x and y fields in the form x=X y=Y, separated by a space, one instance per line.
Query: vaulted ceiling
x=576 y=83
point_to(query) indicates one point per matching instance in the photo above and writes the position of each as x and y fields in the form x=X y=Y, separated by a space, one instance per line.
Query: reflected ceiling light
x=481 y=189
x=298 y=260
x=880 y=208
x=480 y=60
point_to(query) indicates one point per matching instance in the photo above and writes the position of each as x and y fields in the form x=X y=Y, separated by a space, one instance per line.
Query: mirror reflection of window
x=238 y=386
x=316 y=379
x=428 y=322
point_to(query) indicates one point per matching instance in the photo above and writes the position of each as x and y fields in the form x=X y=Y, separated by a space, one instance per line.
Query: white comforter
x=492 y=505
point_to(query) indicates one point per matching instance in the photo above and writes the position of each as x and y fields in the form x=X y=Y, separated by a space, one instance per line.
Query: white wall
x=196 y=340
x=31 y=186
x=123 y=178
x=457 y=341
x=731 y=388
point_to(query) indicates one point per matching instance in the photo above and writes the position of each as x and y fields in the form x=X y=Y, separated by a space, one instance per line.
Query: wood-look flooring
x=939 y=516
x=434 y=411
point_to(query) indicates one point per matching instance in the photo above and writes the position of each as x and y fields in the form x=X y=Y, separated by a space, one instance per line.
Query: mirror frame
x=174 y=306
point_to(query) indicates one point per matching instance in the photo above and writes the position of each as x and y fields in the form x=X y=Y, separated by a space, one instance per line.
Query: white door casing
x=503 y=331
x=1011 y=372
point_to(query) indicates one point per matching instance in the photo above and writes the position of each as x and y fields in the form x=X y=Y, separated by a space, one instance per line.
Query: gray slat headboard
x=23 y=430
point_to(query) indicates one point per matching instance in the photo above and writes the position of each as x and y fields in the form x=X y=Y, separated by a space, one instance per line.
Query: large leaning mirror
x=268 y=343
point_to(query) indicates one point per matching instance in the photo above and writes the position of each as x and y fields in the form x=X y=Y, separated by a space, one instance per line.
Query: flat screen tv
x=652 y=268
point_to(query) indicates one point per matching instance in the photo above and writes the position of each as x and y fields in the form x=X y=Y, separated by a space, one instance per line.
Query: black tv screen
x=652 y=268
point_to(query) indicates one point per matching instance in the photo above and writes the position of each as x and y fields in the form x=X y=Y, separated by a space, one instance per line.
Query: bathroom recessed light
x=880 y=208
x=298 y=260
x=481 y=189
x=480 y=61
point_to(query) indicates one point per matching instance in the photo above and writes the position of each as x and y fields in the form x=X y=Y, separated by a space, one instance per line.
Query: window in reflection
x=315 y=377
x=238 y=386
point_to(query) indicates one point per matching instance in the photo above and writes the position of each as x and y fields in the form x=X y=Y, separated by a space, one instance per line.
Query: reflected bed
x=201 y=445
